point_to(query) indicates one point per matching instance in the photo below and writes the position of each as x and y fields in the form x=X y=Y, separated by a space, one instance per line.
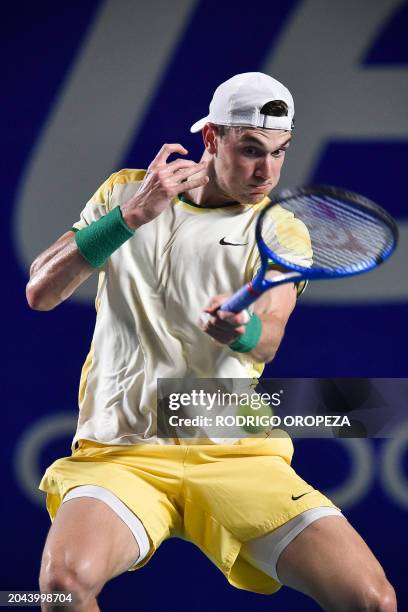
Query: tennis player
x=170 y=243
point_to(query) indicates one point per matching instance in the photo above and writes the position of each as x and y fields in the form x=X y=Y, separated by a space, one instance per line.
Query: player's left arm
x=273 y=308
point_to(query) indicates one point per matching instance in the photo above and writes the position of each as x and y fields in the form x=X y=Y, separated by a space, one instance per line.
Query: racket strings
x=342 y=235
x=319 y=256
x=360 y=229
x=360 y=223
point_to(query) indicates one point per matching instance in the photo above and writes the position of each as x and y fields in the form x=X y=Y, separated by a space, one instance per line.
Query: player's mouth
x=260 y=188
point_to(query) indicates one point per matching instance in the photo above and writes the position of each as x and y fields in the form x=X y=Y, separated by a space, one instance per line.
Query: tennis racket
x=333 y=234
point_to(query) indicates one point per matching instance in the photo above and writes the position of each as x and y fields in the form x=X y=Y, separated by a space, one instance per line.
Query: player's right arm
x=61 y=269
x=56 y=273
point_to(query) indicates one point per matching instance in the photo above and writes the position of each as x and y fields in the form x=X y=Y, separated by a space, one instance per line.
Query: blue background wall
x=90 y=87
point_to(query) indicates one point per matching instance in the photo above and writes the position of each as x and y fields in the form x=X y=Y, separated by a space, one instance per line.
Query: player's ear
x=210 y=138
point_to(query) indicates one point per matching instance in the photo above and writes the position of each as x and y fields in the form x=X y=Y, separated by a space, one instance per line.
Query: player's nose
x=265 y=169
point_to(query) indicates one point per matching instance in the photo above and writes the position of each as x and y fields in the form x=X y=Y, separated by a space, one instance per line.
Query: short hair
x=274 y=108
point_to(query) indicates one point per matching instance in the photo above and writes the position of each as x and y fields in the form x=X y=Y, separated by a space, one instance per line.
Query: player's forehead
x=269 y=139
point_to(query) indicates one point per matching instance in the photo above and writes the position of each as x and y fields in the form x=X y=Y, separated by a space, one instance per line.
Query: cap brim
x=198 y=125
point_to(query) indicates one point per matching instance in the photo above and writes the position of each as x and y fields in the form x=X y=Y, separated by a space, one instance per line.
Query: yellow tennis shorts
x=216 y=496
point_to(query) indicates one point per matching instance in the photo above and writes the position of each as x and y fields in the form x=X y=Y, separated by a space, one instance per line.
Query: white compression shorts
x=262 y=552
x=120 y=509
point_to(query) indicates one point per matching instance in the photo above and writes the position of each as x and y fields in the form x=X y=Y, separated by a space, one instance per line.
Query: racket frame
x=259 y=284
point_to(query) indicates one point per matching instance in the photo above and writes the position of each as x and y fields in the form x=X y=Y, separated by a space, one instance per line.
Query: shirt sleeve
x=97 y=206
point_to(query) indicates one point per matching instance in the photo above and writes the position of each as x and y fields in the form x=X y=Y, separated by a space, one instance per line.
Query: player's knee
x=376 y=597
x=387 y=600
x=79 y=578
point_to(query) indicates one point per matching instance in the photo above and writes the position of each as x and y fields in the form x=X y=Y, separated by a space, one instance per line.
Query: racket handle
x=243 y=298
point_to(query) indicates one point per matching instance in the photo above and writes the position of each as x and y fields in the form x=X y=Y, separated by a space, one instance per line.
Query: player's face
x=248 y=162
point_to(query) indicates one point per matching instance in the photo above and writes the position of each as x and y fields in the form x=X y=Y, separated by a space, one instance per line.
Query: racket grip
x=243 y=298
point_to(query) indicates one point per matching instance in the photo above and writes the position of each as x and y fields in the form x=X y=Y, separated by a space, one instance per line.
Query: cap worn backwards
x=238 y=101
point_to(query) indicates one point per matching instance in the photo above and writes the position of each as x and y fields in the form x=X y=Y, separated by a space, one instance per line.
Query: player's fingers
x=220 y=330
x=240 y=318
x=225 y=323
x=225 y=326
x=208 y=326
x=205 y=318
x=216 y=302
x=219 y=339
x=185 y=173
x=187 y=185
x=166 y=151
x=240 y=331
x=220 y=336
x=179 y=164
x=210 y=323
x=225 y=336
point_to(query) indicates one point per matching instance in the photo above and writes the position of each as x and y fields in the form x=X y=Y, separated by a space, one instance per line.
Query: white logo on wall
x=95 y=118
x=319 y=56
x=103 y=101
x=31 y=444
x=395 y=482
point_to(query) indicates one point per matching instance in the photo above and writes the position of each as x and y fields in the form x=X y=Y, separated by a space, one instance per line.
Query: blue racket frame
x=250 y=292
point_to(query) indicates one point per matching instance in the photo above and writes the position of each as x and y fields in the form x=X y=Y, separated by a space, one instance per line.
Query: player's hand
x=162 y=182
x=223 y=326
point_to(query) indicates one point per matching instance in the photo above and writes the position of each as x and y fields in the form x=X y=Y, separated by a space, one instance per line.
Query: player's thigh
x=331 y=563
x=89 y=542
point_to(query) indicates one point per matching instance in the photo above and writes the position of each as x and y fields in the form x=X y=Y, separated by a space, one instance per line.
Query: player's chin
x=254 y=197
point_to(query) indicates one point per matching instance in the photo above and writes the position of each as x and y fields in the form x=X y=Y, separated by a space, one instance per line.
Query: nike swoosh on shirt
x=223 y=242
x=295 y=497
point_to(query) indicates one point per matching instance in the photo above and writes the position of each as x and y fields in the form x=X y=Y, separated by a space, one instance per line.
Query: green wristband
x=251 y=337
x=98 y=241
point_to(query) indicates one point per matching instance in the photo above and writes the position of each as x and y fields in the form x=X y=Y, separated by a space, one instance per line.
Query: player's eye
x=252 y=152
x=278 y=153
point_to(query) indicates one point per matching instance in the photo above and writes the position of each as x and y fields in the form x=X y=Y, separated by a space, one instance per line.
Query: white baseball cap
x=238 y=101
